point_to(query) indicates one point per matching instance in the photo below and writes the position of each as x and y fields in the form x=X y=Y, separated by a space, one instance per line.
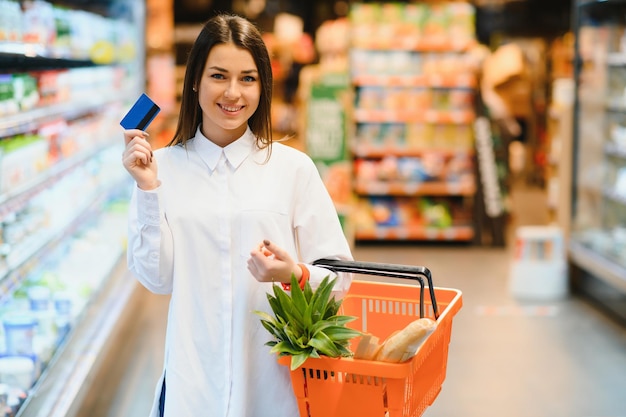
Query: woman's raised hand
x=138 y=159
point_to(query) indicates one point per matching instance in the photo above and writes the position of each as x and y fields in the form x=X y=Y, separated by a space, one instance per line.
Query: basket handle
x=386 y=270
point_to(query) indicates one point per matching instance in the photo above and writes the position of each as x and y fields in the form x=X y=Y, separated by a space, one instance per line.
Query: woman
x=227 y=214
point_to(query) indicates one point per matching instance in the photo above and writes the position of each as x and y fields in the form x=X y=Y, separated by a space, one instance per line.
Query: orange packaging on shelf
x=334 y=387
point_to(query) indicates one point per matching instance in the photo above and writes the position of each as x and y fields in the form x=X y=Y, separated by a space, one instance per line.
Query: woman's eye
x=218 y=76
x=249 y=79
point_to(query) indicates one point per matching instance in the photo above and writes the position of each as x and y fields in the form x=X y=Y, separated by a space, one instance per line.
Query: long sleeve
x=318 y=231
x=150 y=249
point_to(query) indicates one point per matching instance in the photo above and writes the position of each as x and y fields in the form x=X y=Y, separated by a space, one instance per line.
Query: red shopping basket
x=347 y=387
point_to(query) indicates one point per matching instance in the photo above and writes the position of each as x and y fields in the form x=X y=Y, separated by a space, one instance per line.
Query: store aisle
x=507 y=357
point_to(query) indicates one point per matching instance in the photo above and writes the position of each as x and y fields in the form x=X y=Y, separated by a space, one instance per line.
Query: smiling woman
x=228 y=214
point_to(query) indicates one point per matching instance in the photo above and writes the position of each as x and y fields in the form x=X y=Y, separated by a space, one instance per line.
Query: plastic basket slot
x=319 y=374
x=429 y=311
x=385 y=400
x=376 y=305
x=363 y=379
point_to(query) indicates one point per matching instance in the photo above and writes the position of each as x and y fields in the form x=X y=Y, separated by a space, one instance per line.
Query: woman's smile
x=229 y=108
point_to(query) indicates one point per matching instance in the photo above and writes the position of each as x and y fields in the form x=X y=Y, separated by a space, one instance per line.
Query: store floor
x=507 y=358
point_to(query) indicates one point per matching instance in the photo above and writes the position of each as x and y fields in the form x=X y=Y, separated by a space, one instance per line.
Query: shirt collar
x=235 y=153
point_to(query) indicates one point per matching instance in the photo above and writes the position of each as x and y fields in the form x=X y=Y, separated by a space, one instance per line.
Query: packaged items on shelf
x=414 y=106
x=22 y=158
x=442 y=25
x=19 y=330
x=431 y=166
x=25 y=157
x=75 y=89
x=45 y=29
x=18 y=92
x=11 y=29
x=39 y=23
x=18 y=371
x=411 y=218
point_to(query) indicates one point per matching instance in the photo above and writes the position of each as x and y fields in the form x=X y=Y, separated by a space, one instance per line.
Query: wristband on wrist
x=303 y=279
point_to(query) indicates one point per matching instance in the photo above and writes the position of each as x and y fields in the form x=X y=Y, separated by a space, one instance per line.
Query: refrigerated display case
x=597 y=248
x=67 y=73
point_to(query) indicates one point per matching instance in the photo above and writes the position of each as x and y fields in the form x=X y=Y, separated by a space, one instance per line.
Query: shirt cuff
x=148 y=212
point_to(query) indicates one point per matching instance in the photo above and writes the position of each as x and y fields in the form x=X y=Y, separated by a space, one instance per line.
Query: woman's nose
x=232 y=91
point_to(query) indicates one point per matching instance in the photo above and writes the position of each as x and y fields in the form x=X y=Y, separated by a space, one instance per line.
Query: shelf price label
x=431 y=233
x=411 y=188
x=377 y=187
x=450 y=233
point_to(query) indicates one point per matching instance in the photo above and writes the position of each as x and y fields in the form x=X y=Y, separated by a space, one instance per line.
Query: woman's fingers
x=138 y=149
x=278 y=252
x=131 y=134
x=270 y=262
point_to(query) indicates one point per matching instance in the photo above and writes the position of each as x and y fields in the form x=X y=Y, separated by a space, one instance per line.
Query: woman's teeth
x=231 y=109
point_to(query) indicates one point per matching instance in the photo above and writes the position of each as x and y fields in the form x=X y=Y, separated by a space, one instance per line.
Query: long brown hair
x=242 y=33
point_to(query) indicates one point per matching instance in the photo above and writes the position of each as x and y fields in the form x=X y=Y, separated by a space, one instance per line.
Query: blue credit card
x=141 y=114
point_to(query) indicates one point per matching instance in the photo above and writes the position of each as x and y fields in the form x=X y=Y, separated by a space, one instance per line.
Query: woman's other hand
x=138 y=159
x=270 y=263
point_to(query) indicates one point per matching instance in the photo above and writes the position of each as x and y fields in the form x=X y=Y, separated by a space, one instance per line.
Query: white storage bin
x=539 y=268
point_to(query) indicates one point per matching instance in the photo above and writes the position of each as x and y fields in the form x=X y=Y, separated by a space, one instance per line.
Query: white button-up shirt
x=192 y=237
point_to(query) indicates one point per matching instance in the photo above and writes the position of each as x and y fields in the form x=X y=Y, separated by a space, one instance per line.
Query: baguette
x=404 y=344
x=368 y=347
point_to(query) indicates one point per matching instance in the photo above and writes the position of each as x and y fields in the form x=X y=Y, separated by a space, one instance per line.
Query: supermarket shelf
x=454 y=233
x=414 y=116
x=26 y=56
x=371 y=151
x=598 y=265
x=63 y=385
x=30 y=50
x=416 y=81
x=414 y=188
x=25 y=121
x=413 y=97
x=34 y=248
x=9 y=200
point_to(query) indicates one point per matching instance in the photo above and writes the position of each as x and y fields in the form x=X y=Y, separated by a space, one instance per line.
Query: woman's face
x=229 y=93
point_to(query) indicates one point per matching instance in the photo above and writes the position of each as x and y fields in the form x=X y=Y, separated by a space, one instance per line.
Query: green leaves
x=306 y=324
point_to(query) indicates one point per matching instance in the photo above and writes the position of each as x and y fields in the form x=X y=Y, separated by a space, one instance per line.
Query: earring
x=194 y=90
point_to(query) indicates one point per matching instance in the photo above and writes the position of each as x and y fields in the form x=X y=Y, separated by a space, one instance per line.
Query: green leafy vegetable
x=306 y=323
